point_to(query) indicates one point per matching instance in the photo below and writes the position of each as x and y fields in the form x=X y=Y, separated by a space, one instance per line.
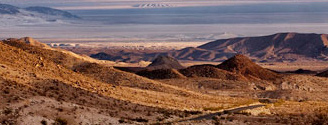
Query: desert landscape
x=163 y=62
x=44 y=85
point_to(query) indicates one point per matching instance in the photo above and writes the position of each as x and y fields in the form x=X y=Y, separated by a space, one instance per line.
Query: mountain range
x=12 y=15
x=280 y=47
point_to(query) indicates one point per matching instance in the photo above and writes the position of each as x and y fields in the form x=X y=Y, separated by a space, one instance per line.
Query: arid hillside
x=45 y=85
x=42 y=85
x=243 y=65
x=280 y=46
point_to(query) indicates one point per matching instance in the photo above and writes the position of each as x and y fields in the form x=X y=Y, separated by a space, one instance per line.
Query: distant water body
x=228 y=14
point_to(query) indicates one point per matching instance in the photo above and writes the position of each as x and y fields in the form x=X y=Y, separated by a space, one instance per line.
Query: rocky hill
x=243 y=65
x=164 y=62
x=42 y=85
x=276 y=47
x=210 y=71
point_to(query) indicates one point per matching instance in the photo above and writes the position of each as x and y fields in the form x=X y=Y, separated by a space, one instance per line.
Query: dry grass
x=28 y=71
x=25 y=63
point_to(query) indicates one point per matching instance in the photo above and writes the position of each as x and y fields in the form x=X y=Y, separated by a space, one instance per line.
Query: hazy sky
x=115 y=4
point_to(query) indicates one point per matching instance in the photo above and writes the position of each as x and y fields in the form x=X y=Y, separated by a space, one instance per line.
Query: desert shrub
x=279 y=102
x=226 y=112
x=60 y=121
x=7 y=111
x=244 y=113
x=159 y=118
x=192 y=112
x=121 y=120
x=44 y=122
x=216 y=120
x=213 y=108
x=140 y=119
x=320 y=117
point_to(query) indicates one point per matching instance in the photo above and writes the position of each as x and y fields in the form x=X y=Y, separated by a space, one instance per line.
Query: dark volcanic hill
x=241 y=64
x=164 y=62
x=302 y=71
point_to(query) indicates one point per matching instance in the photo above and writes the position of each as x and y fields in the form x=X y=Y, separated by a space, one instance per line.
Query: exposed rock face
x=241 y=64
x=165 y=62
x=33 y=42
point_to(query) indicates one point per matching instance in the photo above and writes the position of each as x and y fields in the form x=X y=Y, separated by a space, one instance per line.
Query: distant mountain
x=8 y=9
x=302 y=71
x=51 y=11
x=12 y=15
x=278 y=47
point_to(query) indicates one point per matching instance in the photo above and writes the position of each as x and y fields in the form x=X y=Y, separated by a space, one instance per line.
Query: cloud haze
x=116 y=4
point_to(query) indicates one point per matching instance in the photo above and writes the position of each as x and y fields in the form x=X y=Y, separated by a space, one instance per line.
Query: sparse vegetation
x=279 y=102
x=60 y=121
x=213 y=108
x=44 y=122
x=7 y=111
x=99 y=92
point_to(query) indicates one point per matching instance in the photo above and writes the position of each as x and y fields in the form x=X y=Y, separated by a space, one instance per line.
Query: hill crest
x=164 y=62
x=241 y=64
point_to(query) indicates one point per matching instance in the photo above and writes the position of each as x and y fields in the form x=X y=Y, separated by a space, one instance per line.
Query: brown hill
x=30 y=41
x=51 y=92
x=117 y=77
x=210 y=72
x=34 y=82
x=161 y=74
x=241 y=64
x=164 y=62
x=35 y=88
x=198 y=54
x=281 y=46
x=36 y=48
